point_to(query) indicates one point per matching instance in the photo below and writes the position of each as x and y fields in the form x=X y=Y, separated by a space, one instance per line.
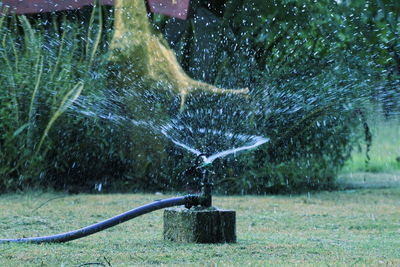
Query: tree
x=140 y=54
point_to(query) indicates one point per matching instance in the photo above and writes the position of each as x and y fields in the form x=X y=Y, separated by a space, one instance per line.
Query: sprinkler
x=203 y=199
x=203 y=224
x=206 y=184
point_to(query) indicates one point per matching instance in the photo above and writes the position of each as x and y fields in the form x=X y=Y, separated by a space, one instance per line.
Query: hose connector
x=192 y=201
x=203 y=199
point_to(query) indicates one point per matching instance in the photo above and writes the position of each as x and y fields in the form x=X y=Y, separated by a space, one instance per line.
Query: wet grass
x=354 y=227
x=385 y=150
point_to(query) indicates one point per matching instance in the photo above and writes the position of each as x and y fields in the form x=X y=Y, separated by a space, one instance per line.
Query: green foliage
x=311 y=67
x=44 y=73
x=385 y=150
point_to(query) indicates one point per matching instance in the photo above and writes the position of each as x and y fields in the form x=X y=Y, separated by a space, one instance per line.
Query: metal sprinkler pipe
x=206 y=191
x=202 y=163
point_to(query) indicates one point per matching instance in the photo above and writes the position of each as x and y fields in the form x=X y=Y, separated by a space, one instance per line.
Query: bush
x=310 y=79
x=44 y=73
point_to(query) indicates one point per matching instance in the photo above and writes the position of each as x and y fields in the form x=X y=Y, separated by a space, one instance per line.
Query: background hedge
x=313 y=68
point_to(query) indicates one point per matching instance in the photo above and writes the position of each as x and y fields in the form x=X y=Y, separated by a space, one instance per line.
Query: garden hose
x=188 y=201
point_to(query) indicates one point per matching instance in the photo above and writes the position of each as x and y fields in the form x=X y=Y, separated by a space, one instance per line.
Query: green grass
x=385 y=148
x=357 y=227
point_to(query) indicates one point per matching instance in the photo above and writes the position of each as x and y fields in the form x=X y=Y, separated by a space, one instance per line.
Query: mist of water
x=244 y=142
x=198 y=129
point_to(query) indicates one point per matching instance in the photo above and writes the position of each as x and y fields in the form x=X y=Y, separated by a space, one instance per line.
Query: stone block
x=200 y=225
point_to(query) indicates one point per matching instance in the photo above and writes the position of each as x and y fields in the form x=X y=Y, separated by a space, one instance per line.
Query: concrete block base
x=200 y=225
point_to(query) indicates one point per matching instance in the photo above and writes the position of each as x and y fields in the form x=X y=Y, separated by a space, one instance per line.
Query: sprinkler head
x=202 y=161
x=200 y=173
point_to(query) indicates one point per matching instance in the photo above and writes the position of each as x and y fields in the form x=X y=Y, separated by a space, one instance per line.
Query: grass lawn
x=385 y=149
x=353 y=227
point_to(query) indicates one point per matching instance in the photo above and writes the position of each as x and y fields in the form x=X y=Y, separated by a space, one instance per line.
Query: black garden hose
x=188 y=201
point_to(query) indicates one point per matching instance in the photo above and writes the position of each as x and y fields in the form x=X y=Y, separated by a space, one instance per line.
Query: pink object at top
x=42 y=6
x=173 y=8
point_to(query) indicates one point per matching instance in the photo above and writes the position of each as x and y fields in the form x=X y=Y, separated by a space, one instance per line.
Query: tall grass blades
x=42 y=74
x=67 y=100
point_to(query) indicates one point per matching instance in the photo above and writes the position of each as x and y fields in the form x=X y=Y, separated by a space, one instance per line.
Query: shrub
x=44 y=73
x=62 y=126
